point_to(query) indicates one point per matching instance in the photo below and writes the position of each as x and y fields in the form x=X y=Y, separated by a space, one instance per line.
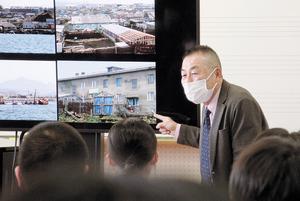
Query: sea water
x=29 y=112
x=27 y=43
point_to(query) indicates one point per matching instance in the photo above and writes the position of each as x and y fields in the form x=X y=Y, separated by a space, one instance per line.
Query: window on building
x=78 y=26
x=94 y=84
x=93 y=26
x=74 y=89
x=150 y=78
x=134 y=84
x=105 y=83
x=63 y=87
x=150 y=96
x=82 y=85
x=119 y=98
x=133 y=101
x=119 y=82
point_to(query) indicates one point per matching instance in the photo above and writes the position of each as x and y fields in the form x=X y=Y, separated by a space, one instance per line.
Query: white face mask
x=197 y=91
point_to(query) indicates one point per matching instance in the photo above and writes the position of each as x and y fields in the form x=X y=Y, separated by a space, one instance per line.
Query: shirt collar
x=212 y=106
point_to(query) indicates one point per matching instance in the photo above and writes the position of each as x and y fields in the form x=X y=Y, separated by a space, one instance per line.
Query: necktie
x=205 y=167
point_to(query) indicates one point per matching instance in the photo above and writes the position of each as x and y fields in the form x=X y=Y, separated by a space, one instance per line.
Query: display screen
x=91 y=63
x=27 y=27
x=28 y=90
x=105 y=92
x=105 y=27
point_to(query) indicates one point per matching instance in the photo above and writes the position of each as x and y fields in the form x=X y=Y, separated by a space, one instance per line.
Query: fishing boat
x=2 y=101
x=43 y=101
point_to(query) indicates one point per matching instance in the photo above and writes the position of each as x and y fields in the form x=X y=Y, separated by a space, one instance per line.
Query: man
x=232 y=122
x=51 y=152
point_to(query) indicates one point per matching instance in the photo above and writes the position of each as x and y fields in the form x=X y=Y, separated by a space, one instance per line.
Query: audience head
x=51 y=150
x=131 y=146
x=94 y=188
x=267 y=170
x=279 y=132
x=296 y=136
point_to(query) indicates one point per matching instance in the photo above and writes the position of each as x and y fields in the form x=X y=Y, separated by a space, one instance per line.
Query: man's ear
x=110 y=161
x=219 y=74
x=155 y=158
x=18 y=176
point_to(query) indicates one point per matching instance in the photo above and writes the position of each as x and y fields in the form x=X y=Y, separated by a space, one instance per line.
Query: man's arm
x=188 y=135
x=247 y=121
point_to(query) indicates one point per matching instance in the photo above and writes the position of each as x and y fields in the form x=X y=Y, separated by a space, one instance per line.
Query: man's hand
x=167 y=126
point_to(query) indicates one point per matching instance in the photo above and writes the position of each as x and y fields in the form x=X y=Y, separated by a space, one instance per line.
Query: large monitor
x=93 y=63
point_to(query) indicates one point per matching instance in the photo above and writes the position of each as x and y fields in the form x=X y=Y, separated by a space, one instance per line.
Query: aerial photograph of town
x=27 y=26
x=106 y=92
x=105 y=27
x=28 y=90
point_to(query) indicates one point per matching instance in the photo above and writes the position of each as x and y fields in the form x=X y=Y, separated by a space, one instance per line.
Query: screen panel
x=28 y=90
x=175 y=30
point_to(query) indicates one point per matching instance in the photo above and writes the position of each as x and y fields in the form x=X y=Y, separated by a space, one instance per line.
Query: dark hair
x=280 y=132
x=51 y=147
x=267 y=170
x=131 y=144
x=205 y=50
x=296 y=136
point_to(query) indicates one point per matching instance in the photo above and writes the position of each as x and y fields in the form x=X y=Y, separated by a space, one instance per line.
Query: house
x=7 y=27
x=133 y=88
x=89 y=22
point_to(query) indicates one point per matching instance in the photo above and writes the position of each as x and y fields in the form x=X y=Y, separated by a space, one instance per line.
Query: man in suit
x=234 y=121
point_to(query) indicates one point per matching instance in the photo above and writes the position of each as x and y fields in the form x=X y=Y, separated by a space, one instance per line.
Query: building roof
x=7 y=24
x=121 y=71
x=125 y=33
x=91 y=19
x=60 y=28
x=116 y=29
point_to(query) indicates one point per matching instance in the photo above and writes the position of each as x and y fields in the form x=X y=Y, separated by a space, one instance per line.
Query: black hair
x=131 y=144
x=267 y=170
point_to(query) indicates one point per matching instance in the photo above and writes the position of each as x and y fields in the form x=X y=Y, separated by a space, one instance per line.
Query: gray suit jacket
x=237 y=121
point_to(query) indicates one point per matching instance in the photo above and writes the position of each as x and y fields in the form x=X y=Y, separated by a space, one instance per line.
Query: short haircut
x=267 y=170
x=51 y=147
x=204 y=49
x=280 y=132
x=131 y=144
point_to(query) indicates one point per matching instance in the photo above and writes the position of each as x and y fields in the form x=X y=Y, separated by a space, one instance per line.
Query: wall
x=258 y=43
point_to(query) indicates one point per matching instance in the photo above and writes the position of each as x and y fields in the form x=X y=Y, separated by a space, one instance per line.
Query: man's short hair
x=51 y=147
x=205 y=50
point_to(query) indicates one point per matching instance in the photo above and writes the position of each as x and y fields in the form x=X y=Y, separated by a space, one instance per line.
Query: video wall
x=87 y=63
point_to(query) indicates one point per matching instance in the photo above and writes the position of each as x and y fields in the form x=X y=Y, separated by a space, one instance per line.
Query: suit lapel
x=216 y=123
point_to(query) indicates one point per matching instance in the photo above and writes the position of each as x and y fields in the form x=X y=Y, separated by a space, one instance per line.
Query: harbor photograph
x=28 y=90
x=106 y=92
x=27 y=26
x=102 y=27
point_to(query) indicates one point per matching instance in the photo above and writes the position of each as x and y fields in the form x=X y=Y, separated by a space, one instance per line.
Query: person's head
x=49 y=150
x=131 y=146
x=267 y=170
x=296 y=136
x=201 y=63
x=280 y=132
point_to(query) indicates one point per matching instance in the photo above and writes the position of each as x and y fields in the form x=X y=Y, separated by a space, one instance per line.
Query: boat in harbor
x=2 y=102
x=43 y=101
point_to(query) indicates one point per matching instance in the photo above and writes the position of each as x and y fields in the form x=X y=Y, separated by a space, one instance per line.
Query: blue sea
x=27 y=43
x=29 y=112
